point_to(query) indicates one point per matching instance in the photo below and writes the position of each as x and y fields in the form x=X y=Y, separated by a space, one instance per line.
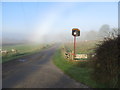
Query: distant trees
x=104 y=31
x=91 y=35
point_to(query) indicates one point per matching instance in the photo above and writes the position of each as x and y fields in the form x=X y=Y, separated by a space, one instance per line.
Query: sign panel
x=75 y=32
x=81 y=56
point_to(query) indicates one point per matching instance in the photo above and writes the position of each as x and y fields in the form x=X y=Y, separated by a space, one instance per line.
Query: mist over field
x=59 y=44
x=39 y=22
x=61 y=37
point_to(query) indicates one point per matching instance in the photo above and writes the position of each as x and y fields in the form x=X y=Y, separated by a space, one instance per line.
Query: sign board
x=75 y=32
x=81 y=56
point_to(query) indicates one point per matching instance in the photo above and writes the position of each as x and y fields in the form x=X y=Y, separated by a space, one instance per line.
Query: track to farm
x=36 y=71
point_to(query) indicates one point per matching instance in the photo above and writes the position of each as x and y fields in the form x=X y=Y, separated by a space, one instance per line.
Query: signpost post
x=74 y=46
x=75 y=33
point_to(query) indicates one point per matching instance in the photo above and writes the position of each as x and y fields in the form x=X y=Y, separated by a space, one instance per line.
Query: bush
x=106 y=62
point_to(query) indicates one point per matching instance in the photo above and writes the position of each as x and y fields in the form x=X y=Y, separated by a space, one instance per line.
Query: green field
x=82 y=47
x=22 y=50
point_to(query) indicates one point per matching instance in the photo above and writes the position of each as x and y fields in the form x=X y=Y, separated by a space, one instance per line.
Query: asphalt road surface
x=36 y=71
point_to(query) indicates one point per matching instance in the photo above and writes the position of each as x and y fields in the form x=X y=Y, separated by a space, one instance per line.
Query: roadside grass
x=22 y=50
x=80 y=71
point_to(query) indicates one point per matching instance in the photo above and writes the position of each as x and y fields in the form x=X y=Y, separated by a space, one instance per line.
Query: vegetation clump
x=106 y=62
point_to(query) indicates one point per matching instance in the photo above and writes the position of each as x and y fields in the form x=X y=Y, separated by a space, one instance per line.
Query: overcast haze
x=53 y=21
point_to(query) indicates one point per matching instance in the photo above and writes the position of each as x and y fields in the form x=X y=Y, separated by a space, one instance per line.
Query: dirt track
x=36 y=71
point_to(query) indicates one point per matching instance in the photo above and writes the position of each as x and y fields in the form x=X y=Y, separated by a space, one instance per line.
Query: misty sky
x=36 y=20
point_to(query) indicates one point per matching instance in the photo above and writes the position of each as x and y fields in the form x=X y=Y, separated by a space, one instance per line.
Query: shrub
x=106 y=62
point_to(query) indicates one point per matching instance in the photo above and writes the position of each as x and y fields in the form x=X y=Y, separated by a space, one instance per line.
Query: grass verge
x=77 y=71
x=23 y=50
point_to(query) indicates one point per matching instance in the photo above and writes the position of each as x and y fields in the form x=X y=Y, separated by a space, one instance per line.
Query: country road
x=36 y=71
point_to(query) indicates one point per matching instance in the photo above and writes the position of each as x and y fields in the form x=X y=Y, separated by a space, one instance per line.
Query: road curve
x=36 y=71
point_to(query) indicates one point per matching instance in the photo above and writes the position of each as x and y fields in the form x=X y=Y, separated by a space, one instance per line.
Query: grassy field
x=80 y=71
x=22 y=50
x=82 y=47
